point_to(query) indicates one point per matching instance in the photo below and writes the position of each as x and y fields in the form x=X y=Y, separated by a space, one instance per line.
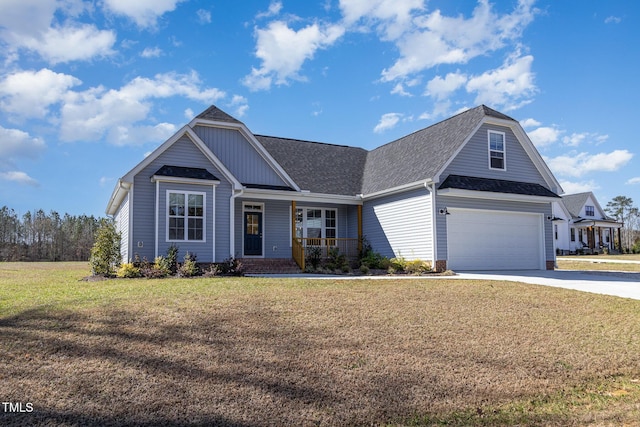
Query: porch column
x=360 y=229
x=293 y=220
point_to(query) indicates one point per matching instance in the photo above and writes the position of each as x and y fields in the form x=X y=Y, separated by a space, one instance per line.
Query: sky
x=89 y=88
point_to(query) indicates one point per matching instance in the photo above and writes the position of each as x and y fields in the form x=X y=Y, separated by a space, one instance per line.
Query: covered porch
x=313 y=229
x=594 y=236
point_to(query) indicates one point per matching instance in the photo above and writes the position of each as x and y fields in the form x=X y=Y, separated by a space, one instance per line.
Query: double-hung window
x=186 y=216
x=589 y=210
x=496 y=150
x=316 y=223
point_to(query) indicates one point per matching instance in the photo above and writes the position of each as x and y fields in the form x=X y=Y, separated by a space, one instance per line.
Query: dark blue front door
x=253 y=233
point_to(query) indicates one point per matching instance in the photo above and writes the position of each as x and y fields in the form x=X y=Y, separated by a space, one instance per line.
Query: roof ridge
x=307 y=141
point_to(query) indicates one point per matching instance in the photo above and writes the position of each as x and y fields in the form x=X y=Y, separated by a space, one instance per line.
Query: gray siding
x=238 y=155
x=277 y=224
x=473 y=159
x=182 y=153
x=400 y=225
x=496 y=205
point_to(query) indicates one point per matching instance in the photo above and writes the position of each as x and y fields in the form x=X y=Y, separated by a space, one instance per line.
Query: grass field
x=258 y=352
x=600 y=262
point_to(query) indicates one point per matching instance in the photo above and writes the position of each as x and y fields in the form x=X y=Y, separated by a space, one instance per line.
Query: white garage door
x=494 y=240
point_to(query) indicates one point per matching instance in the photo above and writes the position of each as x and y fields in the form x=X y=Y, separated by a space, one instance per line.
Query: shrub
x=129 y=270
x=172 y=258
x=214 y=270
x=398 y=264
x=314 y=256
x=105 y=253
x=230 y=267
x=157 y=270
x=417 y=266
x=189 y=267
x=337 y=260
x=364 y=269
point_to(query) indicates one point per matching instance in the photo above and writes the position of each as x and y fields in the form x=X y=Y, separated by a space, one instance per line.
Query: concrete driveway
x=621 y=284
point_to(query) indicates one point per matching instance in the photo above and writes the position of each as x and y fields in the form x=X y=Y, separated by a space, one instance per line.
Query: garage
x=494 y=240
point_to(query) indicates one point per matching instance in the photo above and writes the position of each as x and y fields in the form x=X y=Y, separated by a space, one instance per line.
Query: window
x=573 y=234
x=496 y=150
x=589 y=210
x=185 y=216
x=316 y=223
x=555 y=230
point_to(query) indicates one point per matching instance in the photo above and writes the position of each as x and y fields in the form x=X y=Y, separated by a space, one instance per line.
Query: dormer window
x=496 y=150
x=589 y=210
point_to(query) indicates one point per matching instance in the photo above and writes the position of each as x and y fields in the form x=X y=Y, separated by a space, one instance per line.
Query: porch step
x=270 y=266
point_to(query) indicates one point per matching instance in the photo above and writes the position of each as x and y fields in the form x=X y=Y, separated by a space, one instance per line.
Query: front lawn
x=253 y=352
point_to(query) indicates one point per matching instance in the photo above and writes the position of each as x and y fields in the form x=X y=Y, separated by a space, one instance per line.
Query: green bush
x=189 y=267
x=417 y=266
x=128 y=270
x=229 y=267
x=105 y=253
x=172 y=258
x=398 y=264
x=314 y=256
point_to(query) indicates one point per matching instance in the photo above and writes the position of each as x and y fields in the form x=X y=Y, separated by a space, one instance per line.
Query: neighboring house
x=581 y=225
x=470 y=192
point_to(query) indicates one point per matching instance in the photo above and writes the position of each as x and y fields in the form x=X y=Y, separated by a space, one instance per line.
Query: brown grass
x=258 y=352
x=597 y=265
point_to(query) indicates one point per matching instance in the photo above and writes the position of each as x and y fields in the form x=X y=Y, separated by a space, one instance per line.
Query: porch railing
x=347 y=246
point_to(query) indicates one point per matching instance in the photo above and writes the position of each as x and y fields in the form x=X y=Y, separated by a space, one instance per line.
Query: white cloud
x=48 y=27
x=571 y=187
x=18 y=177
x=204 y=16
x=16 y=144
x=239 y=104
x=613 y=20
x=390 y=17
x=544 y=135
x=96 y=112
x=189 y=114
x=387 y=121
x=283 y=51
x=575 y=139
x=151 y=52
x=634 y=181
x=274 y=8
x=434 y=39
x=529 y=123
x=31 y=93
x=507 y=87
x=440 y=88
x=398 y=89
x=145 y=13
x=579 y=164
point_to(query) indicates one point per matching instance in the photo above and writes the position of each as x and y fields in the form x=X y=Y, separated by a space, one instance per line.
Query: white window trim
x=504 y=149
x=323 y=218
x=186 y=224
x=252 y=207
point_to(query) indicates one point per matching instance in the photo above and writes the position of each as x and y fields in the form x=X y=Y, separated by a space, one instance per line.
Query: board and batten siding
x=239 y=156
x=182 y=153
x=491 y=205
x=400 y=225
x=473 y=159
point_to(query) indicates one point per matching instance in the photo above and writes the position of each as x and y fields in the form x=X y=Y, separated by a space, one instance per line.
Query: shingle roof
x=575 y=202
x=183 y=172
x=339 y=169
x=216 y=114
x=318 y=167
x=422 y=154
x=496 y=186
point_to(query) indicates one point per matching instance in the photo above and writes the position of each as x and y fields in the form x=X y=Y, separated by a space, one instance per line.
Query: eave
x=488 y=195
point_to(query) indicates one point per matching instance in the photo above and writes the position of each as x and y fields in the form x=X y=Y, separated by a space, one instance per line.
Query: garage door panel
x=493 y=240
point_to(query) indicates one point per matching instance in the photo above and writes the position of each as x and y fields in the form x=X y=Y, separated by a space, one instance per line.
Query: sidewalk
x=597 y=260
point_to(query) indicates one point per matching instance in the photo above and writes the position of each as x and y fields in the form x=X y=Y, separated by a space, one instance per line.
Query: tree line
x=622 y=209
x=38 y=236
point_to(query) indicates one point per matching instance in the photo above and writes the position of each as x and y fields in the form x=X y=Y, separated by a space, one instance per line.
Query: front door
x=253 y=233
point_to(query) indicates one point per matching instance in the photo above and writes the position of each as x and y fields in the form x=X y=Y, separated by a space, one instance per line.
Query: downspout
x=434 y=228
x=232 y=221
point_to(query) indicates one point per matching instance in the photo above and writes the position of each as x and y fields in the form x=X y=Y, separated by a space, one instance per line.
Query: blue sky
x=88 y=88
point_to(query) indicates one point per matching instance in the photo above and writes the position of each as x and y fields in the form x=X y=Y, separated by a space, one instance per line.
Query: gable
x=239 y=156
x=473 y=158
